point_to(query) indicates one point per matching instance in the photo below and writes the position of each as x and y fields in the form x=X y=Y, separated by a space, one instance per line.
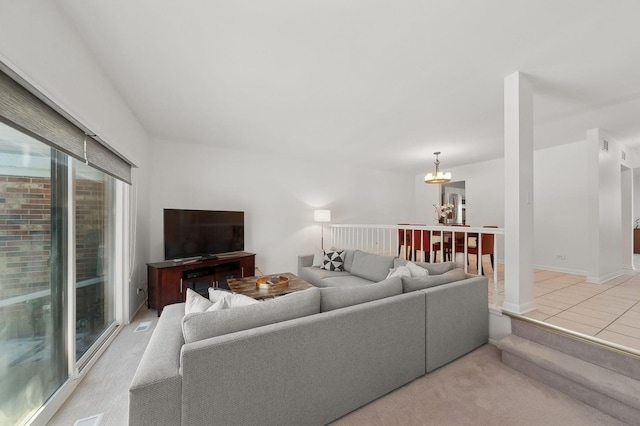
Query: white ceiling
x=384 y=83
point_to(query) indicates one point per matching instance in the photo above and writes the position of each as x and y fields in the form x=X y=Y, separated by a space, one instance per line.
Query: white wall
x=278 y=196
x=38 y=44
x=560 y=208
x=560 y=203
x=484 y=192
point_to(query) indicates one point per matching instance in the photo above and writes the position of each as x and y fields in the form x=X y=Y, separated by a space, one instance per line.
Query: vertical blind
x=24 y=108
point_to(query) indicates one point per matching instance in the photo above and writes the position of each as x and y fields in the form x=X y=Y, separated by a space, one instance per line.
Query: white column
x=518 y=192
x=626 y=232
x=604 y=207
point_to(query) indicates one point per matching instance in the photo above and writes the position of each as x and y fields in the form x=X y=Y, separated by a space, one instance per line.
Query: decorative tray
x=272 y=282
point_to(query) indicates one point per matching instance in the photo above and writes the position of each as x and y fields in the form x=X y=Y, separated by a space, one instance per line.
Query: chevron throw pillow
x=333 y=261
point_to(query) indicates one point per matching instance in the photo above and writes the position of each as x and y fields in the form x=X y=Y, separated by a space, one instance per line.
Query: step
x=609 y=391
x=624 y=363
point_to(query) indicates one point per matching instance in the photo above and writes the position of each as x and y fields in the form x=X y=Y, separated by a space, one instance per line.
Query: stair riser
x=595 y=354
x=590 y=397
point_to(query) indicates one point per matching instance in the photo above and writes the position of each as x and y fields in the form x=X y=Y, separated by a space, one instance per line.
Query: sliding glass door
x=54 y=212
x=95 y=292
x=32 y=332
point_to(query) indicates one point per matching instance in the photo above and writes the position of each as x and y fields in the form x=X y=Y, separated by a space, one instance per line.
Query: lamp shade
x=322 y=215
x=439 y=177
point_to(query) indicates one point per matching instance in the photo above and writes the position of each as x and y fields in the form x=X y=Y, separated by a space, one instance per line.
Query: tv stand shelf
x=169 y=280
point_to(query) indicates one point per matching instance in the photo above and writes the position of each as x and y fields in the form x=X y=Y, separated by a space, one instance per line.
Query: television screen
x=191 y=233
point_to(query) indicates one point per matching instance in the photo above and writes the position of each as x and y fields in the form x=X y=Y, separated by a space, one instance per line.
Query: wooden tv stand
x=169 y=280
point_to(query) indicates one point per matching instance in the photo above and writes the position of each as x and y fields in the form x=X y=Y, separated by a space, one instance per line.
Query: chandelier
x=438 y=177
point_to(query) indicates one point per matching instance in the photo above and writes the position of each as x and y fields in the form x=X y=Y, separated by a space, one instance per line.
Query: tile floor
x=609 y=311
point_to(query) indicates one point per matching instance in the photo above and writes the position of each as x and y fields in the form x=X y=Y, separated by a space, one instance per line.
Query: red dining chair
x=421 y=240
x=403 y=234
x=487 y=247
x=445 y=246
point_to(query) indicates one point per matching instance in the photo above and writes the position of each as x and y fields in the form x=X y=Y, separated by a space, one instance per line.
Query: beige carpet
x=105 y=388
x=474 y=390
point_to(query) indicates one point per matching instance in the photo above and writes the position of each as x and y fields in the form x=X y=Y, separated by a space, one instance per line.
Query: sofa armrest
x=304 y=260
x=155 y=394
x=457 y=319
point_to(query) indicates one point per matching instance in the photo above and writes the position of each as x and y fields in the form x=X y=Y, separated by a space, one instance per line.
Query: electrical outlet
x=561 y=257
x=139 y=290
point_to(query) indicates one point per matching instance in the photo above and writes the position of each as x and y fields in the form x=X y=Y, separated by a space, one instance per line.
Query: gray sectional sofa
x=306 y=358
x=362 y=268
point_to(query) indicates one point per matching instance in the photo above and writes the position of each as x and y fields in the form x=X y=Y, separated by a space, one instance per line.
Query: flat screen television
x=192 y=233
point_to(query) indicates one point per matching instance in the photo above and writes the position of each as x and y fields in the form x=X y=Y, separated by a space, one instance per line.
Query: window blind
x=26 y=109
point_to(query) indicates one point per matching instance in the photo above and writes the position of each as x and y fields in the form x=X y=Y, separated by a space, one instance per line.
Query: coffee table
x=247 y=286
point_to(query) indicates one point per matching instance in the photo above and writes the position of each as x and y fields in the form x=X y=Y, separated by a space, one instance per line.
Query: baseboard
x=137 y=310
x=605 y=278
x=561 y=270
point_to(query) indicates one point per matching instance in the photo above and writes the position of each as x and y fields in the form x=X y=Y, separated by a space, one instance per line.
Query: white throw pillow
x=318 y=259
x=196 y=303
x=219 y=305
x=215 y=295
x=229 y=300
x=416 y=271
x=400 y=271
x=233 y=300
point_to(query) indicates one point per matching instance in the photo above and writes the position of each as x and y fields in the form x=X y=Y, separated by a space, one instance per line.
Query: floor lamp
x=322 y=216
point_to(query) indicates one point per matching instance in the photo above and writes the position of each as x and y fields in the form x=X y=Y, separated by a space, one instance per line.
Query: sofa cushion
x=373 y=267
x=333 y=261
x=315 y=276
x=197 y=327
x=433 y=268
x=348 y=259
x=345 y=281
x=419 y=283
x=340 y=297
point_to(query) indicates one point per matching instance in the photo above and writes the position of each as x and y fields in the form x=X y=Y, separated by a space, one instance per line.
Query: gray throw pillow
x=340 y=297
x=201 y=326
x=419 y=283
x=372 y=267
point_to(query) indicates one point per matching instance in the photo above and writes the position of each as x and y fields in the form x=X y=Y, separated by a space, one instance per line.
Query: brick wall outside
x=91 y=249
x=25 y=247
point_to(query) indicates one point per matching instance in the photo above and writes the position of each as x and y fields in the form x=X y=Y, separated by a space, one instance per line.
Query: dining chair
x=421 y=240
x=487 y=248
x=446 y=244
x=403 y=234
